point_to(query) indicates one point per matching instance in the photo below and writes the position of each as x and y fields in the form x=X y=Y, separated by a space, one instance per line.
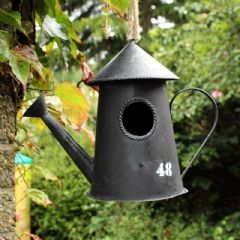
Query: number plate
x=164 y=169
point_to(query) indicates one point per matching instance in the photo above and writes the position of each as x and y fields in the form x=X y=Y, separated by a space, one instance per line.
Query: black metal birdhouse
x=135 y=156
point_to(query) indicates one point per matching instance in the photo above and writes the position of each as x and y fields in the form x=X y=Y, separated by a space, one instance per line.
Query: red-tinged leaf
x=25 y=53
x=90 y=134
x=76 y=128
x=33 y=236
x=75 y=105
x=21 y=69
x=87 y=73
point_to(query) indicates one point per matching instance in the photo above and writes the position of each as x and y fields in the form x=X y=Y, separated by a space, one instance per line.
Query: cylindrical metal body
x=135 y=156
x=129 y=167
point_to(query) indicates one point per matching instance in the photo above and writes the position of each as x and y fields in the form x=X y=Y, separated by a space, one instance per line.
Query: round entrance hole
x=138 y=118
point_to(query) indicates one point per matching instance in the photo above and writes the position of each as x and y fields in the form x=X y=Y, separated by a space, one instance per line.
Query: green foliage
x=13 y=19
x=203 y=49
x=56 y=27
x=75 y=216
x=4 y=46
x=75 y=105
x=227 y=229
x=38 y=197
x=118 y=6
x=20 y=68
x=204 y=52
x=22 y=60
x=48 y=175
x=52 y=28
x=115 y=26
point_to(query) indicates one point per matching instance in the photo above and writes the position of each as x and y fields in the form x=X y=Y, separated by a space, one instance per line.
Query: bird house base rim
x=148 y=199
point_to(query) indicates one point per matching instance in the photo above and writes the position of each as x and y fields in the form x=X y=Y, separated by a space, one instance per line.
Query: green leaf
x=39 y=197
x=53 y=29
x=73 y=49
x=41 y=55
x=65 y=50
x=42 y=10
x=25 y=55
x=4 y=46
x=51 y=6
x=12 y=19
x=48 y=175
x=65 y=21
x=119 y=6
x=20 y=68
x=75 y=105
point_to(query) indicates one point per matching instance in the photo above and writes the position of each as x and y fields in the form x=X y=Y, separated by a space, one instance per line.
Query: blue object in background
x=22 y=159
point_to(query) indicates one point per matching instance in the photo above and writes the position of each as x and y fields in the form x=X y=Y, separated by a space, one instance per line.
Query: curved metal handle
x=213 y=126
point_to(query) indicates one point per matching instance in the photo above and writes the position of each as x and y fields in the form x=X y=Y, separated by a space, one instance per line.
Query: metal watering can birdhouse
x=135 y=156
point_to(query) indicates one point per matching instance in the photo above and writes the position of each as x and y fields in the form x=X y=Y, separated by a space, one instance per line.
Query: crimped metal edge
x=114 y=79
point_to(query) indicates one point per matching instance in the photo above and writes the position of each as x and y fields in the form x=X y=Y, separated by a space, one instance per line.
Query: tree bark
x=7 y=132
x=10 y=100
x=7 y=153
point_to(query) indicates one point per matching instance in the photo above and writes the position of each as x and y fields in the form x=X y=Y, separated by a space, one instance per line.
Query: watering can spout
x=75 y=151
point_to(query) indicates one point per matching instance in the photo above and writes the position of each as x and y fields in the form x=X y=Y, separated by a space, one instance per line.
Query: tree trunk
x=7 y=153
x=10 y=100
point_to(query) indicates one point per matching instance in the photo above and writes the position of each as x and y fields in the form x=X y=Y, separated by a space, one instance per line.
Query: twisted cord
x=133 y=21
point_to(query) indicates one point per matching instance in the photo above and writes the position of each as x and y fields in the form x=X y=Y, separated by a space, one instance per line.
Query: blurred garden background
x=200 y=42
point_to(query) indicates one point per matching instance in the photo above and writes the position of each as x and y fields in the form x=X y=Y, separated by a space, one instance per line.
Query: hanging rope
x=133 y=21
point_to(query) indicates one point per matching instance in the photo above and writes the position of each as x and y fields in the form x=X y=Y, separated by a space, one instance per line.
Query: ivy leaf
x=21 y=69
x=52 y=28
x=45 y=7
x=65 y=21
x=48 y=175
x=118 y=6
x=4 y=46
x=12 y=19
x=39 y=197
x=23 y=62
x=24 y=52
x=52 y=4
x=74 y=49
x=41 y=56
x=65 y=51
x=75 y=105
x=54 y=104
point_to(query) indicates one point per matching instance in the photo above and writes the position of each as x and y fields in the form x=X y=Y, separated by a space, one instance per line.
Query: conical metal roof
x=130 y=63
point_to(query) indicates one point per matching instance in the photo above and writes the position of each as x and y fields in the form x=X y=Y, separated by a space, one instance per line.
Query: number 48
x=165 y=169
